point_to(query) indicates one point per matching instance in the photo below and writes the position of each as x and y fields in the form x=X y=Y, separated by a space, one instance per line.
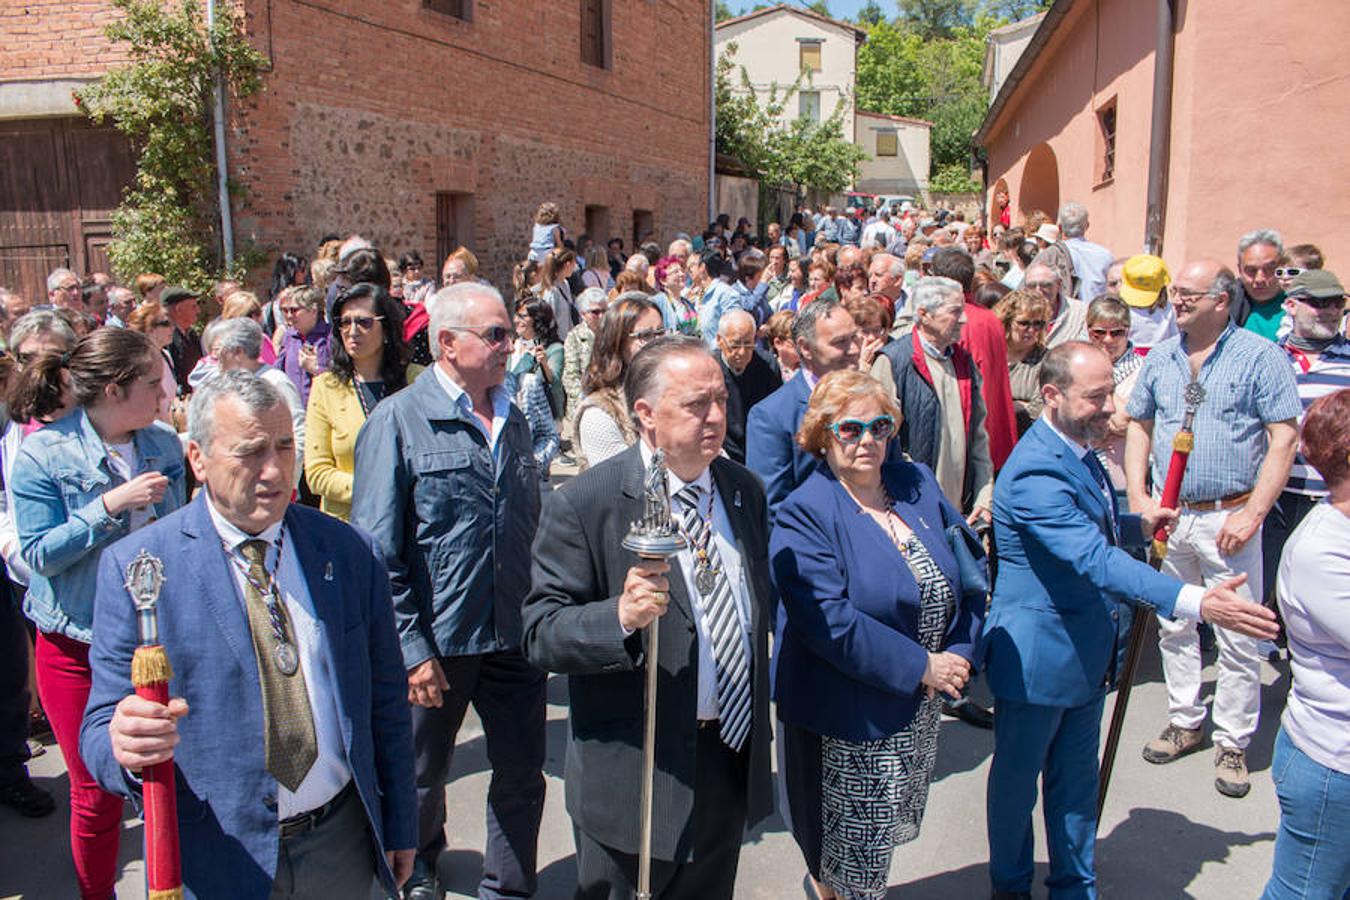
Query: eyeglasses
x=1108 y=332
x=492 y=335
x=1179 y=293
x=1042 y=285
x=1288 y=272
x=1320 y=302
x=360 y=323
x=161 y=323
x=739 y=345
x=1030 y=324
x=69 y=287
x=289 y=310
x=647 y=334
x=850 y=431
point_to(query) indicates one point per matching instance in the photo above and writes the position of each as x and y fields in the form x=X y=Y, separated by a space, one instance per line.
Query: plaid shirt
x=1248 y=385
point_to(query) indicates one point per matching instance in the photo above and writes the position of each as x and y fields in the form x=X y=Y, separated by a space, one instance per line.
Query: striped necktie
x=722 y=623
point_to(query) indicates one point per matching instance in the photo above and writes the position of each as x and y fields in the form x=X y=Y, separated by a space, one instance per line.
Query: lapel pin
x=328 y=571
x=737 y=500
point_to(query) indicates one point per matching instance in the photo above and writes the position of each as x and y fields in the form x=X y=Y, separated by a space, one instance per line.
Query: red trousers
x=63 y=679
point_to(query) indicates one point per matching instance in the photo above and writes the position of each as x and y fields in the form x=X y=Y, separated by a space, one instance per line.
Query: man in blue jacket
x=288 y=729
x=827 y=339
x=1051 y=633
x=447 y=483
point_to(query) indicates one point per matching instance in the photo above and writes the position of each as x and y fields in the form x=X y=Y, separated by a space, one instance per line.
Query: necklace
x=887 y=519
x=284 y=656
x=705 y=573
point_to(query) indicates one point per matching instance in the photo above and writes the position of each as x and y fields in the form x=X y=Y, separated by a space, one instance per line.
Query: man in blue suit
x=827 y=339
x=289 y=727
x=1052 y=629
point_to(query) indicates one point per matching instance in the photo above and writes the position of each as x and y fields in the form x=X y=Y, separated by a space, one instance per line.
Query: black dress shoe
x=27 y=798
x=969 y=712
x=422 y=884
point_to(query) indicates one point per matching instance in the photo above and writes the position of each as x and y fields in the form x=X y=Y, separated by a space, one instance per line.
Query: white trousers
x=1193 y=557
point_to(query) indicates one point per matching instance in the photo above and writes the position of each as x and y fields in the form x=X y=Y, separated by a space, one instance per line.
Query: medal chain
x=276 y=612
x=702 y=561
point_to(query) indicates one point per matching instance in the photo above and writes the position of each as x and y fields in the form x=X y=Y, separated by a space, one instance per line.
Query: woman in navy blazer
x=876 y=624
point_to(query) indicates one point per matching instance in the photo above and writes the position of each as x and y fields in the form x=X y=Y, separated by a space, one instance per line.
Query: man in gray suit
x=588 y=603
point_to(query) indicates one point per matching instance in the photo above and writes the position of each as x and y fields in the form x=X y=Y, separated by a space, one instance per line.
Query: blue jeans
x=1312 y=855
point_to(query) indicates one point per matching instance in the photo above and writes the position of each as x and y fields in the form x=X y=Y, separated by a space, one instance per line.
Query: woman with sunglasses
x=877 y=626
x=81 y=483
x=370 y=362
x=604 y=427
x=1108 y=326
x=1025 y=315
x=152 y=320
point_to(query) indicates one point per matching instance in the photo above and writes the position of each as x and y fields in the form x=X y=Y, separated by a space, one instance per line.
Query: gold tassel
x=170 y=894
x=150 y=665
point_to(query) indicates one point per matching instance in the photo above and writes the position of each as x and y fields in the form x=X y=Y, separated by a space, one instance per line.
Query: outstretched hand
x=1222 y=606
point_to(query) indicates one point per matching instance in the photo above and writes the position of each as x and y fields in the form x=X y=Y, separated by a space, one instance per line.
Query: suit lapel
x=1077 y=469
x=633 y=486
x=316 y=564
x=205 y=558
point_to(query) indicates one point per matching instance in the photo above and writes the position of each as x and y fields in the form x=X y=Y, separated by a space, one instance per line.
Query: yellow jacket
x=332 y=422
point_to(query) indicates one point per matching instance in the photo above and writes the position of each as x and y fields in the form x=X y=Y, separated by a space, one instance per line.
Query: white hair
x=449 y=308
x=934 y=292
x=591 y=298
x=351 y=245
x=638 y=263
x=255 y=394
x=57 y=276
x=240 y=333
x=1247 y=241
x=731 y=318
x=1073 y=220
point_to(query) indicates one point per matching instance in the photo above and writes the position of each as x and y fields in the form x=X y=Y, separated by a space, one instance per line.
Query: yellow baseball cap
x=1141 y=280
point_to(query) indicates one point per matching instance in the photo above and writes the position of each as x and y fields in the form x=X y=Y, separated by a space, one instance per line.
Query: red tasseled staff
x=150 y=675
x=1182 y=445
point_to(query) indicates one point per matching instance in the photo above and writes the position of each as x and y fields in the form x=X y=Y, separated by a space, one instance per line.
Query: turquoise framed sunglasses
x=850 y=431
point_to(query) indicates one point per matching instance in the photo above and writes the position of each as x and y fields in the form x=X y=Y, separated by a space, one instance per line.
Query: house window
x=809 y=54
x=458 y=9
x=888 y=143
x=595 y=35
x=808 y=105
x=1106 y=142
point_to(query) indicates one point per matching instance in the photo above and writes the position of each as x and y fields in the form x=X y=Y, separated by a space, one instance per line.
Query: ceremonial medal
x=287 y=660
x=705 y=578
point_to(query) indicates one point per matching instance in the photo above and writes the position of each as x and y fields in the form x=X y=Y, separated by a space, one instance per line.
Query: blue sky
x=843 y=9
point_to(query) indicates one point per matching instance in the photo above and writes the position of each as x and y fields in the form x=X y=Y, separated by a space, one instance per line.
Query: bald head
x=848 y=255
x=1201 y=294
x=736 y=339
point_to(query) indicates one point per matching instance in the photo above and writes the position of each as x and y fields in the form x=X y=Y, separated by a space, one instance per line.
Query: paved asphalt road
x=1166 y=832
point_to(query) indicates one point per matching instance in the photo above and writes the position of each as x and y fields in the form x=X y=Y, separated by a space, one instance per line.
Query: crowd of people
x=902 y=452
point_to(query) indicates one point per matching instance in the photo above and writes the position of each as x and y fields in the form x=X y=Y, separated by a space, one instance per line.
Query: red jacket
x=983 y=337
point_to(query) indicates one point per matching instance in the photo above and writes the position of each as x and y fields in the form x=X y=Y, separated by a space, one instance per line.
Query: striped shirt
x=1327 y=375
x=1248 y=385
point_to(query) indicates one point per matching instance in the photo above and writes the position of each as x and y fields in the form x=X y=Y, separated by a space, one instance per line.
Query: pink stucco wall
x=1260 y=132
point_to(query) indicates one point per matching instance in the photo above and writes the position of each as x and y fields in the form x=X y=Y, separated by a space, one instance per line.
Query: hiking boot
x=1230 y=772
x=1173 y=743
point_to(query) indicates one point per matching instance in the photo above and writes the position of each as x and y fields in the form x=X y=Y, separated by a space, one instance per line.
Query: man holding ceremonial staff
x=590 y=600
x=289 y=727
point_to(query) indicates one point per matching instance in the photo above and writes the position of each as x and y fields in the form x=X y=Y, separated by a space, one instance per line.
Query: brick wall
x=371 y=109
x=51 y=39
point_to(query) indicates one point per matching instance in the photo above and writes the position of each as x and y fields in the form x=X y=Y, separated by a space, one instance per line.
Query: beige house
x=778 y=43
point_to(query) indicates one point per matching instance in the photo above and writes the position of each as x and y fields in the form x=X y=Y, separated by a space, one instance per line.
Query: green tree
x=870 y=13
x=819 y=7
x=723 y=11
x=169 y=219
x=936 y=19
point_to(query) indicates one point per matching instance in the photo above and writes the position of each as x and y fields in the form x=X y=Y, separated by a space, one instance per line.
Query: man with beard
x=1052 y=629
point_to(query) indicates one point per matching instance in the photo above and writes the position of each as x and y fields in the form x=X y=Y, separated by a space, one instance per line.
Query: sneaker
x=1230 y=772
x=27 y=798
x=1173 y=743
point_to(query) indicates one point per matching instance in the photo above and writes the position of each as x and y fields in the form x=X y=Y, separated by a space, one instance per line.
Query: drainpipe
x=712 y=110
x=1161 y=134
x=222 y=170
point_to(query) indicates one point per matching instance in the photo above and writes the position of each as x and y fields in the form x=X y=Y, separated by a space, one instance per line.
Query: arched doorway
x=1040 y=182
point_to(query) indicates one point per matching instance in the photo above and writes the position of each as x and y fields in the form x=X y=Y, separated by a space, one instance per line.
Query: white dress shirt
x=330 y=772
x=1187 y=604
x=501 y=408
x=725 y=540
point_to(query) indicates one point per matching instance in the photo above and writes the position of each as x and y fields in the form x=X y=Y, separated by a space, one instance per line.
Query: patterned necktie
x=723 y=625
x=290 y=745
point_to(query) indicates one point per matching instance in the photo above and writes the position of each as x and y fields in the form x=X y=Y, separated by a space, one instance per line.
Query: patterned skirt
x=853 y=802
